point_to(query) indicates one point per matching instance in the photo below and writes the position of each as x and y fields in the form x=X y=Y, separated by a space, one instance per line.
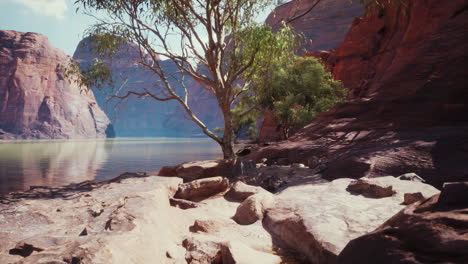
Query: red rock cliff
x=36 y=101
x=407 y=109
x=324 y=27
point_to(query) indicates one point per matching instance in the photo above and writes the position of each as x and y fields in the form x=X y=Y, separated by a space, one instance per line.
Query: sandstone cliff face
x=137 y=117
x=324 y=27
x=407 y=108
x=36 y=101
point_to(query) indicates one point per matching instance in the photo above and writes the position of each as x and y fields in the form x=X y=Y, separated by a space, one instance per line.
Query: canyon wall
x=407 y=109
x=324 y=27
x=36 y=100
x=145 y=117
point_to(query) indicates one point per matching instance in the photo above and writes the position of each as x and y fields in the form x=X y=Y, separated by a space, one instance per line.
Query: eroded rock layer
x=405 y=67
x=36 y=100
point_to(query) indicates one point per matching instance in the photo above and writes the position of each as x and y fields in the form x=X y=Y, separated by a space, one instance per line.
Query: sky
x=56 y=19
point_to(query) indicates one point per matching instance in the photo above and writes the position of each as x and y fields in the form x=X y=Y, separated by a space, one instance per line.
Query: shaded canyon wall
x=407 y=109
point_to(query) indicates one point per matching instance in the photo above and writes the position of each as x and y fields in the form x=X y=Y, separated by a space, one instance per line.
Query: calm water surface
x=54 y=163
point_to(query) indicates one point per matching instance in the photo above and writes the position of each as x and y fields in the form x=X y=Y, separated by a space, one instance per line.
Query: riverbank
x=140 y=218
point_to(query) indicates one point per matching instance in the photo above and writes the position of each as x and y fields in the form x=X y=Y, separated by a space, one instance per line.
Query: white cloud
x=52 y=8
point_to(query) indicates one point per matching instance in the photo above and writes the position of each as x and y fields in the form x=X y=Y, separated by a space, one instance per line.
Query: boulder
x=241 y=191
x=410 y=198
x=424 y=232
x=201 y=189
x=38 y=101
x=454 y=193
x=410 y=177
x=168 y=171
x=238 y=253
x=253 y=208
x=318 y=220
x=195 y=170
x=370 y=190
x=202 y=250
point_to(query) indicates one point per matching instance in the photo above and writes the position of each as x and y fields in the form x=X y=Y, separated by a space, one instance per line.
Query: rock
x=238 y=253
x=297 y=165
x=421 y=233
x=38 y=102
x=410 y=177
x=274 y=178
x=454 y=193
x=183 y=204
x=168 y=171
x=400 y=114
x=243 y=152
x=202 y=251
x=318 y=220
x=51 y=229
x=241 y=191
x=200 y=189
x=326 y=25
x=410 y=198
x=132 y=209
x=253 y=208
x=242 y=167
x=370 y=190
x=197 y=169
x=350 y=167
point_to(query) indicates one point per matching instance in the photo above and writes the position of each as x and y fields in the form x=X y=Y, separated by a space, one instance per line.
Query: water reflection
x=50 y=163
x=53 y=163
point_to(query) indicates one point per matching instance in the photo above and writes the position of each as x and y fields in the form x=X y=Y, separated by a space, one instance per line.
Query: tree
x=296 y=93
x=218 y=36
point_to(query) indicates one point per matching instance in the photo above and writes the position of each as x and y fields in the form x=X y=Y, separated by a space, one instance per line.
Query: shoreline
x=204 y=217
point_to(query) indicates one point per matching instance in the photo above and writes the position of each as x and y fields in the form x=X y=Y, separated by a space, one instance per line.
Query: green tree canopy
x=295 y=94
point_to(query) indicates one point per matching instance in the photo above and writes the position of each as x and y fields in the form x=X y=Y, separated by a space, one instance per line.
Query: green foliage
x=297 y=93
x=97 y=74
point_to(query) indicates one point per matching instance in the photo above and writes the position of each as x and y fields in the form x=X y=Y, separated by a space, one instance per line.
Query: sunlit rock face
x=146 y=117
x=324 y=27
x=36 y=100
x=407 y=107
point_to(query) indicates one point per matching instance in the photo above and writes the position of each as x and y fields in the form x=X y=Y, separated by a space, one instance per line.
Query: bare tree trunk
x=227 y=140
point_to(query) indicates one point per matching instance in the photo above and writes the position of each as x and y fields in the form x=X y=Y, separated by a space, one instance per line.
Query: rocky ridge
x=36 y=100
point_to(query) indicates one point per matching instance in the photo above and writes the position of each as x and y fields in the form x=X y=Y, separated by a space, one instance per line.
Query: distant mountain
x=36 y=101
x=136 y=117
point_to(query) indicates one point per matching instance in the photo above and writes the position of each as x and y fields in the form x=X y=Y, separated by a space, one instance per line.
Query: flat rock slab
x=319 y=220
x=424 y=232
